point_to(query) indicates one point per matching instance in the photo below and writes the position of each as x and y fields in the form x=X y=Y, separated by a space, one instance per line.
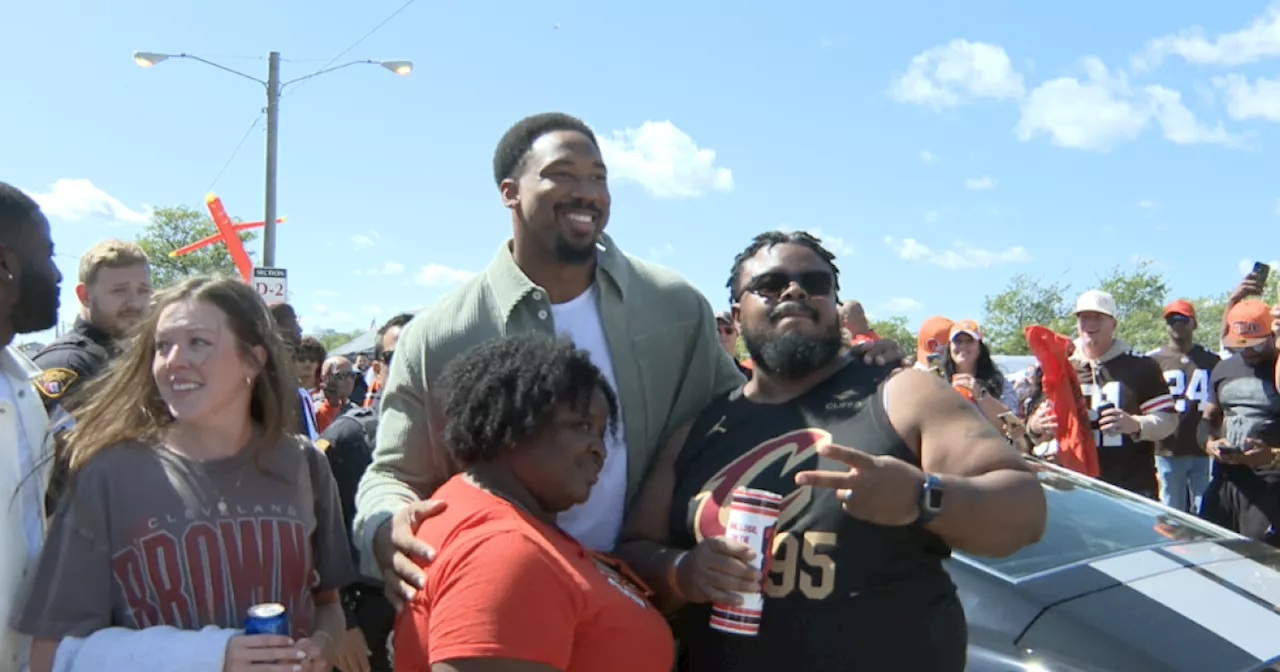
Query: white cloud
x=387 y=268
x=664 y=160
x=324 y=317
x=1259 y=40
x=327 y=293
x=438 y=275
x=899 y=305
x=931 y=216
x=978 y=183
x=359 y=241
x=1245 y=100
x=372 y=311
x=927 y=156
x=1104 y=110
x=1146 y=205
x=961 y=256
x=955 y=73
x=76 y=200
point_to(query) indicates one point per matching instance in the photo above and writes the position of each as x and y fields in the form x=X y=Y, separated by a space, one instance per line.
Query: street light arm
x=325 y=71
x=220 y=67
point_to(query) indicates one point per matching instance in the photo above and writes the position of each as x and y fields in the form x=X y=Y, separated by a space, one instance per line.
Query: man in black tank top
x=879 y=478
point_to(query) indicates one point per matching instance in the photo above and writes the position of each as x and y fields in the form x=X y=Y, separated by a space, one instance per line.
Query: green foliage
x=332 y=339
x=1026 y=301
x=175 y=227
x=1141 y=294
x=895 y=329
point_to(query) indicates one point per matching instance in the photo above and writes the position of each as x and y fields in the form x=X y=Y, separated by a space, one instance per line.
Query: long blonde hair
x=124 y=404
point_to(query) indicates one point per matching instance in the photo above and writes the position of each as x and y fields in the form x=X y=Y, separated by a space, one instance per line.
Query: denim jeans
x=1183 y=480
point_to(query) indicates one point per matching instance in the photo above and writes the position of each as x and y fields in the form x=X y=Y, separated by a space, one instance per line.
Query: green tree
x=175 y=227
x=895 y=328
x=332 y=339
x=1141 y=295
x=1024 y=302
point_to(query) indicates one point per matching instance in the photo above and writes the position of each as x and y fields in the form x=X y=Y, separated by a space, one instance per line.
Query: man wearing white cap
x=1129 y=402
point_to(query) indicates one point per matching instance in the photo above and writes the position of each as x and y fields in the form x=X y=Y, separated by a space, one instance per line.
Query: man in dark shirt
x=1182 y=466
x=1128 y=401
x=856 y=578
x=1242 y=428
x=114 y=289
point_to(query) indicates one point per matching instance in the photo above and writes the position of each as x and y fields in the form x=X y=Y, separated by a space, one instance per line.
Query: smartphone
x=1261 y=271
x=1102 y=408
x=1230 y=449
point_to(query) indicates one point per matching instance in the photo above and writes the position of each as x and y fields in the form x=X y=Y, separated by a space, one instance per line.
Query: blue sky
x=940 y=148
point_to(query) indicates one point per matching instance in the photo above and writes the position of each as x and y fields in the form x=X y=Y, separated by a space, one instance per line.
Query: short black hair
x=503 y=392
x=771 y=238
x=518 y=139
x=17 y=210
x=397 y=321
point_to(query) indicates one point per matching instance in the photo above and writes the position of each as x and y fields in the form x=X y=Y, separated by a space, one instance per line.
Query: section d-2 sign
x=272 y=284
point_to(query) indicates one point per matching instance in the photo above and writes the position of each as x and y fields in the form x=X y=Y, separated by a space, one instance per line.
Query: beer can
x=753 y=517
x=267 y=619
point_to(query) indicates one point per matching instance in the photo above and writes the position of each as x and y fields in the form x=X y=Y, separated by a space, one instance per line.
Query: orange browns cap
x=1248 y=323
x=966 y=327
x=934 y=333
x=1180 y=307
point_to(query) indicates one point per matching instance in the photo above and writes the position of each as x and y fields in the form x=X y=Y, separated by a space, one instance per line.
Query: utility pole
x=273 y=127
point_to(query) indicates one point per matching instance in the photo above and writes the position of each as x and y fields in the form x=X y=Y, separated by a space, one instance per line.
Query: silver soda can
x=753 y=517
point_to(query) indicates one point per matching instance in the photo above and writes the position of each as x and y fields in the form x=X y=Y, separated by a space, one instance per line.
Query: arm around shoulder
x=501 y=597
x=409 y=461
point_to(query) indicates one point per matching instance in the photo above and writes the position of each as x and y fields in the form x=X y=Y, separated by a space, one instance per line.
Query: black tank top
x=840 y=593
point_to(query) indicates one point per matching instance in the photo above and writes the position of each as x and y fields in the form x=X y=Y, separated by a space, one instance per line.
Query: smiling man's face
x=561 y=192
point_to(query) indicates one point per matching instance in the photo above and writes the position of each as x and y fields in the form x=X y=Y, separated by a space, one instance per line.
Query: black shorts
x=1240 y=499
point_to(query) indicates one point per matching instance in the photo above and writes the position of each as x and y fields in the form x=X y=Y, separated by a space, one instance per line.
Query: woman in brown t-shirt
x=190 y=502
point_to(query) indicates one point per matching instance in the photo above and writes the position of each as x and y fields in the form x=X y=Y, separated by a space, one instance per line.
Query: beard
x=37 y=307
x=568 y=254
x=792 y=354
x=117 y=325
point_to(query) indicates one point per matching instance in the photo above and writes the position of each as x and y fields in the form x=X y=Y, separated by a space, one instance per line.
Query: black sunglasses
x=1177 y=319
x=774 y=283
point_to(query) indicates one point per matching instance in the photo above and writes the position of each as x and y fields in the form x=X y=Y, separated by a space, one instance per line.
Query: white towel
x=159 y=649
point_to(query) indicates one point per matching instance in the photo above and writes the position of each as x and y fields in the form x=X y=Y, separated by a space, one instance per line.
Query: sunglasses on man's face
x=727 y=329
x=1177 y=319
x=1256 y=347
x=341 y=375
x=774 y=283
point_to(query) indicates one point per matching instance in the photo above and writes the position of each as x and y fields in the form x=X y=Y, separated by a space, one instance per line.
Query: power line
x=235 y=151
x=357 y=43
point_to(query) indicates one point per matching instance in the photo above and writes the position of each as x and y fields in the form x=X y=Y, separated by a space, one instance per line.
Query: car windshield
x=1088 y=520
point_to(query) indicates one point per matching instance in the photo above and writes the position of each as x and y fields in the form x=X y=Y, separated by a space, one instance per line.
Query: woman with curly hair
x=508 y=590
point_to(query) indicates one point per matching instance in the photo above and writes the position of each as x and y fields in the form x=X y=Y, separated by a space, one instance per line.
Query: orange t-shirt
x=326 y=414
x=506 y=585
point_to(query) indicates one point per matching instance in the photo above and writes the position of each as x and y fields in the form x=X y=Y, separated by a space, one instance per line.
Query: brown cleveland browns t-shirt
x=149 y=537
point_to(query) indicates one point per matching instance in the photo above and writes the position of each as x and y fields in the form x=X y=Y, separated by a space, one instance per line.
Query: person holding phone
x=1126 y=395
x=1241 y=428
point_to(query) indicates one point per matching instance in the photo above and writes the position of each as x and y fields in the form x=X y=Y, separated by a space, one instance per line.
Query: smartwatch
x=931 y=496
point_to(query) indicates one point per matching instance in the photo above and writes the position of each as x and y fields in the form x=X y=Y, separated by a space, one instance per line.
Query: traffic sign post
x=272 y=284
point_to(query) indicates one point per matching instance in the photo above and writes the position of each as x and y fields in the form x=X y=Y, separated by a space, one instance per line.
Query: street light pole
x=273 y=129
x=274 y=86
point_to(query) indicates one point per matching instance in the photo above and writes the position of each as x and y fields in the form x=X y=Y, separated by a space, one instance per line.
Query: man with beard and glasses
x=1182 y=467
x=879 y=477
x=28 y=303
x=114 y=290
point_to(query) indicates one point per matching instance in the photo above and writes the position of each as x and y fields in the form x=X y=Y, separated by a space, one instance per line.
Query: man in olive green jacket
x=658 y=345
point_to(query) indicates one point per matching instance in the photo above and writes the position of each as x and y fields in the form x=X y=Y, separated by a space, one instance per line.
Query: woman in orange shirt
x=508 y=590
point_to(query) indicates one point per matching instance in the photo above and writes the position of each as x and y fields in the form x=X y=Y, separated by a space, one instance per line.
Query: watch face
x=935 y=498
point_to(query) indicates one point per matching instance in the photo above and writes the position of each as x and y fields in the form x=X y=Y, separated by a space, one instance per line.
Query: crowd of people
x=535 y=473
